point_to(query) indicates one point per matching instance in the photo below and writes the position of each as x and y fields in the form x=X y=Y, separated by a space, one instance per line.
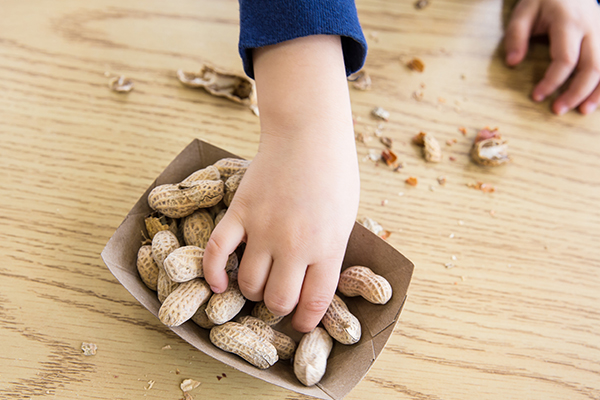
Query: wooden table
x=504 y=298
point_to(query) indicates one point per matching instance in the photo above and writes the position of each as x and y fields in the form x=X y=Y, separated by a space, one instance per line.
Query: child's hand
x=573 y=27
x=296 y=206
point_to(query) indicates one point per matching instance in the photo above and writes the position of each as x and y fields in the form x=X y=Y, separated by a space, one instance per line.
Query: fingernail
x=215 y=289
x=561 y=109
x=537 y=96
x=512 y=57
x=588 y=108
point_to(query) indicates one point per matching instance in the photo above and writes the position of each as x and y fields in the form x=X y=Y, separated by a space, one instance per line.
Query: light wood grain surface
x=515 y=317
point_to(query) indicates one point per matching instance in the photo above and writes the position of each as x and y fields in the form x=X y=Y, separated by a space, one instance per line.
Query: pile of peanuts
x=187 y=213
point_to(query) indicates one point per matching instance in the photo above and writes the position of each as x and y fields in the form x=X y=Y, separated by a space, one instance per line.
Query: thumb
x=518 y=31
x=225 y=238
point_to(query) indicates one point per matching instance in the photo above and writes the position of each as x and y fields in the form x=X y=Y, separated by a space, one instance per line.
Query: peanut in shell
x=210 y=173
x=178 y=201
x=362 y=281
x=284 y=344
x=340 y=323
x=236 y=338
x=223 y=307
x=183 y=302
x=310 y=360
x=147 y=267
x=201 y=319
x=231 y=186
x=261 y=311
x=231 y=166
x=186 y=263
x=164 y=285
x=197 y=228
x=163 y=243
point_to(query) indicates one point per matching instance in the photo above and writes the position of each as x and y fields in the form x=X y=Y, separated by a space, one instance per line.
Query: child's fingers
x=591 y=103
x=586 y=78
x=319 y=286
x=518 y=31
x=565 y=45
x=282 y=290
x=226 y=237
x=254 y=270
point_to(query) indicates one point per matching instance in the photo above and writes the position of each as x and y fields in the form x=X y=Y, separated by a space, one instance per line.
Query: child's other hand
x=296 y=206
x=573 y=28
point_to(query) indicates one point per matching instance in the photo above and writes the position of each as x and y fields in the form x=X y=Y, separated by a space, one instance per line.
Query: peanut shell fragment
x=158 y=222
x=432 y=150
x=235 y=87
x=489 y=149
x=239 y=339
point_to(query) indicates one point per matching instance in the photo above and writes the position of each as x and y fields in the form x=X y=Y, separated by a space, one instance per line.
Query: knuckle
x=318 y=305
x=215 y=244
x=251 y=289
x=279 y=305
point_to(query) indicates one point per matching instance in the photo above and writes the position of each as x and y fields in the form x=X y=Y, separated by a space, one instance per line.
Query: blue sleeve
x=266 y=22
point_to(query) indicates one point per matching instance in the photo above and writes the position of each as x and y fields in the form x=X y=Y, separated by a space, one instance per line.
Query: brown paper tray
x=347 y=365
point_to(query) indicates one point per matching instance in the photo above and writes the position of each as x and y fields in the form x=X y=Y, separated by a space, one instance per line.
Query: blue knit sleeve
x=266 y=22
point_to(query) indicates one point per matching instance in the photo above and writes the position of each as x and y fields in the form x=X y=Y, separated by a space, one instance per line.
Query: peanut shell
x=284 y=344
x=340 y=323
x=147 y=267
x=223 y=307
x=158 y=222
x=183 y=302
x=490 y=152
x=261 y=311
x=231 y=166
x=197 y=228
x=201 y=319
x=231 y=186
x=164 y=286
x=210 y=173
x=361 y=281
x=163 y=243
x=185 y=263
x=241 y=340
x=178 y=201
x=310 y=360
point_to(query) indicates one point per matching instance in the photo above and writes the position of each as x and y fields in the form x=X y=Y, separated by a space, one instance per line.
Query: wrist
x=302 y=88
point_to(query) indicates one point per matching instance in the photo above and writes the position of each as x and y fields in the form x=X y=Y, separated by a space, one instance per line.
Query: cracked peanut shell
x=340 y=323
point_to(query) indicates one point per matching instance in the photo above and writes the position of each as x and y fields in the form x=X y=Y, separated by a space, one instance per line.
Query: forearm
x=302 y=90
